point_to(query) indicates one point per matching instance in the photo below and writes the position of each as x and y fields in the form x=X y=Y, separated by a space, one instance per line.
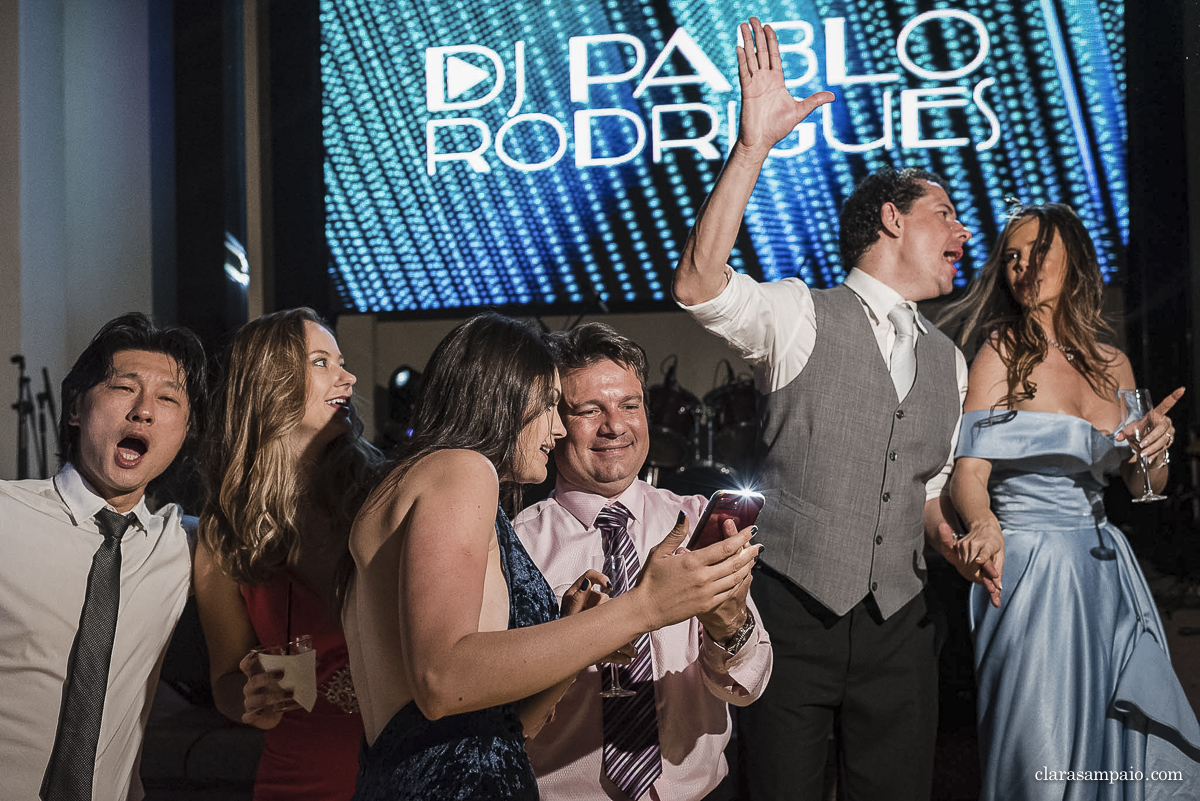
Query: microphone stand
x=593 y=302
x=24 y=410
x=45 y=401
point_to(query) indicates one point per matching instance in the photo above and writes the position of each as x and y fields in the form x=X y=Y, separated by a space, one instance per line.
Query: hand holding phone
x=740 y=506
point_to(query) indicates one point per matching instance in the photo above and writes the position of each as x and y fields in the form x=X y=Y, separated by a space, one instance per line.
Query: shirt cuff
x=716 y=308
x=736 y=676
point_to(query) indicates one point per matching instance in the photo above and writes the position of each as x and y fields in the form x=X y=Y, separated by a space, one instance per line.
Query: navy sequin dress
x=475 y=755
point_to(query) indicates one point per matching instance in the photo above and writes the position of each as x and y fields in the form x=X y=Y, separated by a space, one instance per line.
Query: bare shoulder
x=458 y=466
x=451 y=509
x=1118 y=365
x=204 y=558
x=991 y=352
x=988 y=381
x=457 y=459
x=450 y=483
x=456 y=490
x=208 y=574
x=441 y=471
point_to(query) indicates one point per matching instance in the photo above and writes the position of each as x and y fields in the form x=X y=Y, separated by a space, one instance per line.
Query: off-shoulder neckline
x=1005 y=412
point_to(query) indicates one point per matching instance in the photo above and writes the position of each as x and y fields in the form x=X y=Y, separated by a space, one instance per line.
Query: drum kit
x=697 y=447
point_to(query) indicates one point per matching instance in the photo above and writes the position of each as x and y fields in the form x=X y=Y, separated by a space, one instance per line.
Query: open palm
x=769 y=112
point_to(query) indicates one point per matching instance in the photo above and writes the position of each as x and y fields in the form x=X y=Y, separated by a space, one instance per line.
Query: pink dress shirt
x=694 y=679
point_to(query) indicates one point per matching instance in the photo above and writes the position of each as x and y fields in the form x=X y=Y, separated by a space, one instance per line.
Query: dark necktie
x=73 y=761
x=632 y=759
x=904 y=355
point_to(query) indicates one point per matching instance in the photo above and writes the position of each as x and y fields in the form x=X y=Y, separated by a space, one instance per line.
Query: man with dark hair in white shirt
x=92 y=582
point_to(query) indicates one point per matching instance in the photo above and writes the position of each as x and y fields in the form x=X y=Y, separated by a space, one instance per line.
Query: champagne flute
x=616 y=568
x=1137 y=405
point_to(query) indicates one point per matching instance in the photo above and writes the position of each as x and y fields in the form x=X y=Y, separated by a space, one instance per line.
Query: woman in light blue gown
x=1077 y=696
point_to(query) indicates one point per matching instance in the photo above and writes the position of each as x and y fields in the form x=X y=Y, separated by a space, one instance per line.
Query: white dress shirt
x=694 y=679
x=773 y=327
x=48 y=536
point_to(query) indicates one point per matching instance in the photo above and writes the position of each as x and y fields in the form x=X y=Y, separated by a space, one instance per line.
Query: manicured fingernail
x=753 y=530
x=584 y=586
x=680 y=519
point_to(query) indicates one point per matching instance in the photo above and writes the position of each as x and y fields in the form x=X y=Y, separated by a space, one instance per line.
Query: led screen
x=553 y=155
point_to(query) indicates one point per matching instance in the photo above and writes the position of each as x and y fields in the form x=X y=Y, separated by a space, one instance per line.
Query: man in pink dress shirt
x=701 y=665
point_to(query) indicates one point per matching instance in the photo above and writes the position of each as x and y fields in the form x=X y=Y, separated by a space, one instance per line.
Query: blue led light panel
x=543 y=155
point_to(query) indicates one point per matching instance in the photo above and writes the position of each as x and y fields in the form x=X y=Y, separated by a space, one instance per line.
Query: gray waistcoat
x=844 y=465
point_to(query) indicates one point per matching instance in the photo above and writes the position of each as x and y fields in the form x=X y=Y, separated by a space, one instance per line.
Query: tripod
x=31 y=426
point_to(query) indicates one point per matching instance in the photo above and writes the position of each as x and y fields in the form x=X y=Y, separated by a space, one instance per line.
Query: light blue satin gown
x=1073 y=669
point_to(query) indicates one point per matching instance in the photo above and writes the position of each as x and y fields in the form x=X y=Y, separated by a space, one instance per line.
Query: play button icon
x=461 y=76
x=449 y=76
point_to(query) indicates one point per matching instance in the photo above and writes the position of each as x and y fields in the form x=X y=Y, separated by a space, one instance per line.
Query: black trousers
x=872 y=682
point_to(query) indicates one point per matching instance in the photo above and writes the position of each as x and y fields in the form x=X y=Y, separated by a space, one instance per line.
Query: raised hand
x=769 y=112
x=676 y=586
x=1157 y=430
x=723 y=621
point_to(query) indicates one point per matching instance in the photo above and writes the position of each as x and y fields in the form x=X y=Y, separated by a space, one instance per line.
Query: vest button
x=899 y=414
x=874 y=586
x=879 y=540
x=887 y=496
x=892 y=456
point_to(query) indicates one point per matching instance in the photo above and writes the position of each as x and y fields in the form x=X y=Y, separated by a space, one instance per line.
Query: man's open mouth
x=131 y=449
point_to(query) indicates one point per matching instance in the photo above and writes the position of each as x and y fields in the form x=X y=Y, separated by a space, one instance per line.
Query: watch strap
x=740 y=637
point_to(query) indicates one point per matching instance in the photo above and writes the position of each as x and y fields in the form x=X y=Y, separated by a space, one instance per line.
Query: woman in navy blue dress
x=1077 y=697
x=455 y=643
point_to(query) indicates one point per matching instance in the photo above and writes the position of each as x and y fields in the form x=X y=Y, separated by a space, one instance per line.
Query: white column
x=75 y=215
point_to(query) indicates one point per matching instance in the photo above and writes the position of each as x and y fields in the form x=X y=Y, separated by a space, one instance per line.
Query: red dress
x=309 y=755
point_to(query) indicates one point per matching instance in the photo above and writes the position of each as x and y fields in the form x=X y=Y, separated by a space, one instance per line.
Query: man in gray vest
x=861 y=398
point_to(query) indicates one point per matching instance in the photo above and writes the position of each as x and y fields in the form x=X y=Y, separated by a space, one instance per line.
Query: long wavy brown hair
x=989 y=309
x=253 y=480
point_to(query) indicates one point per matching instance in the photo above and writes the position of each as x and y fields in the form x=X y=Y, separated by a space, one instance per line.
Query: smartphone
x=741 y=506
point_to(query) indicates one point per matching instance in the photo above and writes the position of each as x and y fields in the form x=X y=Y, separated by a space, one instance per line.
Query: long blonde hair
x=990 y=310
x=253 y=479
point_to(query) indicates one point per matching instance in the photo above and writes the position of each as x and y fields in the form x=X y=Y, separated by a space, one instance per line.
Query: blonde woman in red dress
x=281 y=464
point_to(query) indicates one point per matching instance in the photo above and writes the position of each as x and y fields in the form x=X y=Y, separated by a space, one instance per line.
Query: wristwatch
x=740 y=637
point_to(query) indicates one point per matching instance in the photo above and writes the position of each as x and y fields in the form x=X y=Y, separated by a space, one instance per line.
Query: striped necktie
x=632 y=759
x=72 y=763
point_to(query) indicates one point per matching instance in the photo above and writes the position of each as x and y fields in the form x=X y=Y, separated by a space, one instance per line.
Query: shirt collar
x=878 y=297
x=584 y=506
x=83 y=502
